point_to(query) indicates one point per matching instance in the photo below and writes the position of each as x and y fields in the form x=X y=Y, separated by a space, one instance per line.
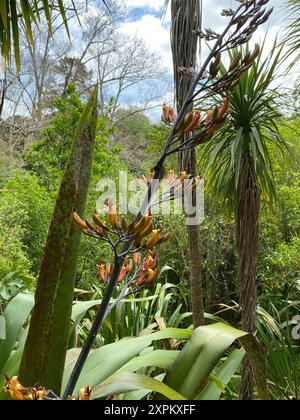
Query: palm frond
x=29 y=11
x=252 y=130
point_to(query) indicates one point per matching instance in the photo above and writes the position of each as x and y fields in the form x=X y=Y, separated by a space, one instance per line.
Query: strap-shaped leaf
x=63 y=14
x=4 y=13
x=27 y=14
x=15 y=315
x=203 y=352
x=126 y=382
x=15 y=31
x=47 y=13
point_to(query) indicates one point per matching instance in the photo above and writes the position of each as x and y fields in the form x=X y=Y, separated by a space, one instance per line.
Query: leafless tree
x=98 y=50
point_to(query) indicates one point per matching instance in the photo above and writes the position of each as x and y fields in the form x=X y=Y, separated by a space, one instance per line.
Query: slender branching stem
x=221 y=44
x=100 y=317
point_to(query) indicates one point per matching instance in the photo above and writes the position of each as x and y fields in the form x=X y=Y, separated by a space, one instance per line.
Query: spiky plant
x=240 y=170
x=46 y=346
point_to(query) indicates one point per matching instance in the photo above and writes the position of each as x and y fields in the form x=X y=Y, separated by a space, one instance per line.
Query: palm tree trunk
x=247 y=242
x=186 y=19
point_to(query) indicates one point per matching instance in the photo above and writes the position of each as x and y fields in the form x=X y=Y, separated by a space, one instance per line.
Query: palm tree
x=240 y=171
x=186 y=22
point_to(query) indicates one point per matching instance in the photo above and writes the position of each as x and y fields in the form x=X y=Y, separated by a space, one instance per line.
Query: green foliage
x=109 y=369
x=4 y=163
x=48 y=157
x=13 y=256
x=283 y=354
x=134 y=314
x=11 y=347
x=25 y=210
x=280 y=226
x=282 y=267
x=11 y=285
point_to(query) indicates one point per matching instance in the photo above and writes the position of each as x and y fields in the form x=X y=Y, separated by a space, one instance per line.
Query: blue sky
x=144 y=20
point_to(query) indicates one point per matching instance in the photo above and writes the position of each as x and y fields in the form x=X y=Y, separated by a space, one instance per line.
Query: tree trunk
x=186 y=20
x=247 y=242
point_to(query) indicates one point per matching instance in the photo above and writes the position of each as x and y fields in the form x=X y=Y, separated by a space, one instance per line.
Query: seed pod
x=224 y=108
x=183 y=176
x=165 y=114
x=166 y=237
x=267 y=15
x=89 y=233
x=194 y=123
x=90 y=227
x=215 y=113
x=129 y=265
x=102 y=273
x=245 y=68
x=216 y=128
x=113 y=219
x=137 y=243
x=140 y=224
x=179 y=127
x=257 y=17
x=137 y=256
x=241 y=21
x=208 y=117
x=79 y=222
x=108 y=269
x=147 y=229
x=254 y=55
x=234 y=84
x=141 y=278
x=188 y=120
x=235 y=62
x=152 y=275
x=172 y=115
x=215 y=66
x=154 y=239
x=99 y=222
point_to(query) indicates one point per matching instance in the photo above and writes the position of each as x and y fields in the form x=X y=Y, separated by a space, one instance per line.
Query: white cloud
x=153 y=4
x=156 y=36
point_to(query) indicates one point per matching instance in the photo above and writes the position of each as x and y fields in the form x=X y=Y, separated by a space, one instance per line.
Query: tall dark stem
x=100 y=318
x=247 y=242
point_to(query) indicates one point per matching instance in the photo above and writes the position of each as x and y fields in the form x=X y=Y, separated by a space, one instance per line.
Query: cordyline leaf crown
x=251 y=130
